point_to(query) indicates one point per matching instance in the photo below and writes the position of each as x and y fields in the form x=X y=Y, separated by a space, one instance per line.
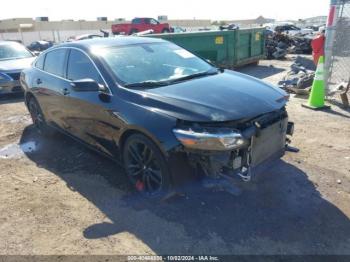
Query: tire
x=133 y=31
x=38 y=117
x=146 y=166
x=165 y=31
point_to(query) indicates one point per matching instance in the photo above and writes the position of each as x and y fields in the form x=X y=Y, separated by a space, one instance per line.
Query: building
x=317 y=20
x=31 y=25
x=28 y=30
x=251 y=22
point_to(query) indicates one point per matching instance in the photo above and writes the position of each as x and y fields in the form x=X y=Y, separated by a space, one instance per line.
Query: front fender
x=155 y=125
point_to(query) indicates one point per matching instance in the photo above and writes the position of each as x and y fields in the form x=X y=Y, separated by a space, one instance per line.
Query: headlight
x=213 y=139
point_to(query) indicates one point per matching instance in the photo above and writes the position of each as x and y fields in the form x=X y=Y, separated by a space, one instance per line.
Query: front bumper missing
x=226 y=181
x=266 y=145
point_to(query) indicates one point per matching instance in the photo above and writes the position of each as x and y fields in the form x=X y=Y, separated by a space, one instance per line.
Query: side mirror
x=85 y=85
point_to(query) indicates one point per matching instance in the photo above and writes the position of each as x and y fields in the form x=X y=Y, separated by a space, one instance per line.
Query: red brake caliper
x=140 y=186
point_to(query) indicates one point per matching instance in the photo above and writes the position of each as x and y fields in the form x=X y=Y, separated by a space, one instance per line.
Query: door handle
x=38 y=81
x=65 y=91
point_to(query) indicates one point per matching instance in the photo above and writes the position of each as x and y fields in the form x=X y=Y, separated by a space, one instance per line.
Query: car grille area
x=268 y=142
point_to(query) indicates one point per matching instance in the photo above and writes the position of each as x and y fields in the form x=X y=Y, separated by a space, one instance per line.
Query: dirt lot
x=59 y=198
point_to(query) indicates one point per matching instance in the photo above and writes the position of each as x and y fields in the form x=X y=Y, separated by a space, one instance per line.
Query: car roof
x=85 y=35
x=110 y=42
x=9 y=42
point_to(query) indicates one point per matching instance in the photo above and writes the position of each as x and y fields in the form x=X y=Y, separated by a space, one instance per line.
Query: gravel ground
x=57 y=197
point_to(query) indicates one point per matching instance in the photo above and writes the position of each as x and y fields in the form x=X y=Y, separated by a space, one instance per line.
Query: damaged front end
x=228 y=149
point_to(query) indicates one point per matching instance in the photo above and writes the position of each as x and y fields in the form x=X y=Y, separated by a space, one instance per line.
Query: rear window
x=40 y=62
x=54 y=62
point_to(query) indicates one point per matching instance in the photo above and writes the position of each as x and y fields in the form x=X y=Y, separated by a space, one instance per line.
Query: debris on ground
x=301 y=44
x=300 y=76
x=278 y=45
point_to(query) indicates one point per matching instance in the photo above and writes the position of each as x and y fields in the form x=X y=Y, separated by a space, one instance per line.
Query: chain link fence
x=337 y=46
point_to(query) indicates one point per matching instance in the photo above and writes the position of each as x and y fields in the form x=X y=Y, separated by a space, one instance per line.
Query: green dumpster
x=227 y=49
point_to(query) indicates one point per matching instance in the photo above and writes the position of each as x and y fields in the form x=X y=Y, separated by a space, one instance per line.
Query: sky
x=174 y=9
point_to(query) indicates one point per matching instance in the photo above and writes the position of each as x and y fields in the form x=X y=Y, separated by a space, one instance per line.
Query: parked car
x=229 y=27
x=159 y=109
x=316 y=28
x=13 y=58
x=139 y=25
x=84 y=37
x=291 y=29
x=177 y=29
x=40 y=46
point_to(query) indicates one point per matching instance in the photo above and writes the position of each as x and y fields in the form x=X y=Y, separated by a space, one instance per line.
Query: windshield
x=155 y=62
x=13 y=51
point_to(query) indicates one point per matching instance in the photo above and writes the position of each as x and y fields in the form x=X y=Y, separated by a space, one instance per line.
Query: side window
x=154 y=22
x=54 y=62
x=40 y=62
x=80 y=67
x=136 y=21
x=147 y=21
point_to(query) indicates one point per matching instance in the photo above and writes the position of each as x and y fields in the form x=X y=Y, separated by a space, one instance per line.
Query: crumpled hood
x=16 y=64
x=226 y=96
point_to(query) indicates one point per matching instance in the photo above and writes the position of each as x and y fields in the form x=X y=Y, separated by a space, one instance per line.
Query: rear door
x=50 y=86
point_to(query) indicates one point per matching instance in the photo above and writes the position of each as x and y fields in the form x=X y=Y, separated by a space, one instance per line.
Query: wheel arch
x=27 y=97
x=134 y=130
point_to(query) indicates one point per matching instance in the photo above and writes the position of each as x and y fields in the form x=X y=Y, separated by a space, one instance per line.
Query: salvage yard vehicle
x=140 y=25
x=13 y=58
x=159 y=109
x=291 y=29
x=40 y=46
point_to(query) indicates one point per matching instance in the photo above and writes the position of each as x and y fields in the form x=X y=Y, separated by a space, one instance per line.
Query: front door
x=90 y=116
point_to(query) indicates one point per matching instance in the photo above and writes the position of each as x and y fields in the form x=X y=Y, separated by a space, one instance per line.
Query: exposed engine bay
x=257 y=140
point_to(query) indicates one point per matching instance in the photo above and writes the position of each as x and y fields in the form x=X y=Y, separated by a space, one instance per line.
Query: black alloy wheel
x=145 y=165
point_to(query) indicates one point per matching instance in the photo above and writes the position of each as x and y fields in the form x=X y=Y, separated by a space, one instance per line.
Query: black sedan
x=159 y=109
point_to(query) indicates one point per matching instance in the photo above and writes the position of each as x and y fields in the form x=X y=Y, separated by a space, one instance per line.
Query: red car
x=139 y=25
